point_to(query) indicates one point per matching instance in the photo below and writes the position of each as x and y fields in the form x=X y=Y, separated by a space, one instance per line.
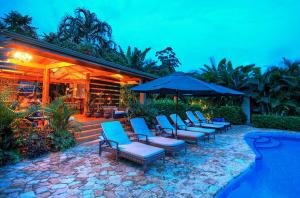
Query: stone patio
x=80 y=172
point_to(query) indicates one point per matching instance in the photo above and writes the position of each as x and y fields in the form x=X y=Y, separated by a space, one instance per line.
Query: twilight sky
x=244 y=31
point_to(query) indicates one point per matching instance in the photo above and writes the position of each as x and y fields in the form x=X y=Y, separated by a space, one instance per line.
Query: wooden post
x=143 y=97
x=246 y=107
x=46 y=86
x=86 y=93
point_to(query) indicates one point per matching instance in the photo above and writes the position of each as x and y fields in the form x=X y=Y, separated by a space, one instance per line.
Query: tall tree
x=86 y=28
x=168 y=60
x=16 y=22
x=137 y=59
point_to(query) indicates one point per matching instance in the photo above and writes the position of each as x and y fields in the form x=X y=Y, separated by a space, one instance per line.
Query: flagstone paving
x=80 y=172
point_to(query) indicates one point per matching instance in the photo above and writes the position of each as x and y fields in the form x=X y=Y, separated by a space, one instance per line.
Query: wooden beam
x=59 y=65
x=46 y=87
x=27 y=64
x=86 y=93
x=143 y=97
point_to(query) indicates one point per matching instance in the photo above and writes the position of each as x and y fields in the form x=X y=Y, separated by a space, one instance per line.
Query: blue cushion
x=114 y=131
x=139 y=126
x=164 y=123
x=200 y=116
x=192 y=117
x=180 y=123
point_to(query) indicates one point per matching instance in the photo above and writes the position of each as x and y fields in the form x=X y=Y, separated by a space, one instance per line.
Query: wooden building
x=48 y=70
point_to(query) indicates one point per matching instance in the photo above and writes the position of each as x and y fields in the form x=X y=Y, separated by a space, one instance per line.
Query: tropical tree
x=168 y=60
x=226 y=74
x=16 y=22
x=86 y=28
x=277 y=90
x=137 y=59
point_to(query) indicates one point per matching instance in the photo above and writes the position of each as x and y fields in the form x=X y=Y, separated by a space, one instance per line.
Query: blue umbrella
x=181 y=84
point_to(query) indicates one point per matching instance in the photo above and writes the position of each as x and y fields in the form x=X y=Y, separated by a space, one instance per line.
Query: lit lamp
x=22 y=56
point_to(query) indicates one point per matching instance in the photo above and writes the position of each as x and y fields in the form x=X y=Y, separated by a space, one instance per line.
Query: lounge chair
x=167 y=128
x=144 y=135
x=204 y=120
x=115 y=140
x=183 y=126
x=195 y=122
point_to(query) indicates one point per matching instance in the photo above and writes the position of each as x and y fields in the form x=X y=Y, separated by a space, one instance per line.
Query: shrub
x=232 y=114
x=8 y=157
x=168 y=106
x=59 y=121
x=276 y=122
x=145 y=111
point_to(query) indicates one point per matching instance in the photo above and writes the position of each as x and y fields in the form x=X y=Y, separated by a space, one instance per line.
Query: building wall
x=104 y=93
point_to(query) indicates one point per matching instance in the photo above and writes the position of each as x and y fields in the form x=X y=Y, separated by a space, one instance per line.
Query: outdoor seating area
x=202 y=171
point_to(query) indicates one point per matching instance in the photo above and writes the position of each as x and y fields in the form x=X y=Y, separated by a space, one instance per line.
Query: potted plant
x=91 y=105
x=99 y=112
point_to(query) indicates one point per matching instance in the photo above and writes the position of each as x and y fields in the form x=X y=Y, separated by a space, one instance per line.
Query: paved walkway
x=80 y=172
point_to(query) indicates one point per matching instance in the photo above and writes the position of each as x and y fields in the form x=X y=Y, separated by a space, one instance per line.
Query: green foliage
x=127 y=97
x=276 y=91
x=59 y=121
x=276 y=122
x=145 y=111
x=16 y=22
x=6 y=118
x=161 y=106
x=8 y=157
x=168 y=106
x=232 y=114
x=137 y=59
x=168 y=60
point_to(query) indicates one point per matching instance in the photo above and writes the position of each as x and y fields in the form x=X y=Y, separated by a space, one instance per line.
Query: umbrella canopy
x=180 y=83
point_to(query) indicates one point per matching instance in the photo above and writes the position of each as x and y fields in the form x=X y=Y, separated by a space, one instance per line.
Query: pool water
x=276 y=172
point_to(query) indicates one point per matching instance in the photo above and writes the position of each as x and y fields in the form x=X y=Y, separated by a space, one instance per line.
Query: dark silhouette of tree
x=168 y=60
x=18 y=23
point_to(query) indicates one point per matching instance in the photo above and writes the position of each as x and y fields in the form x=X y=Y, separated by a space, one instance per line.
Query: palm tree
x=225 y=74
x=137 y=59
x=86 y=28
x=15 y=22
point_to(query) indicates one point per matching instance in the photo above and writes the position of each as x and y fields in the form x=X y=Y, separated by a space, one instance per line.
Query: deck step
x=87 y=138
x=89 y=127
x=90 y=132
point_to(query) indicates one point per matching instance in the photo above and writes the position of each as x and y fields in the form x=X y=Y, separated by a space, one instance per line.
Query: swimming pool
x=276 y=172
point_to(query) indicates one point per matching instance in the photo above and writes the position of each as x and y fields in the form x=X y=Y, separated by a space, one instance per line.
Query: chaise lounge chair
x=204 y=120
x=144 y=135
x=115 y=140
x=218 y=127
x=182 y=125
x=167 y=128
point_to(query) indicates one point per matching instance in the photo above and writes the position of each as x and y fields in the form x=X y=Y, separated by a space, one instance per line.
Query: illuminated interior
x=45 y=71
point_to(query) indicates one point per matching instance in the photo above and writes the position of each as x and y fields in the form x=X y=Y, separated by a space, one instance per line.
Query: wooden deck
x=90 y=128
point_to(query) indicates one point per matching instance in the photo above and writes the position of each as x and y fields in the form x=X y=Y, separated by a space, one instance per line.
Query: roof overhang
x=55 y=51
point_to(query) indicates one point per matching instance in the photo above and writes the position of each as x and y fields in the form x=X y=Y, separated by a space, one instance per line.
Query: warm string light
x=22 y=56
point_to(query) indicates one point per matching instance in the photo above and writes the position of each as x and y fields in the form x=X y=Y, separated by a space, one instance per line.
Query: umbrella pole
x=176 y=113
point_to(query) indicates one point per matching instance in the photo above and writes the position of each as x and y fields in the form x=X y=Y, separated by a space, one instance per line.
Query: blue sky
x=244 y=31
